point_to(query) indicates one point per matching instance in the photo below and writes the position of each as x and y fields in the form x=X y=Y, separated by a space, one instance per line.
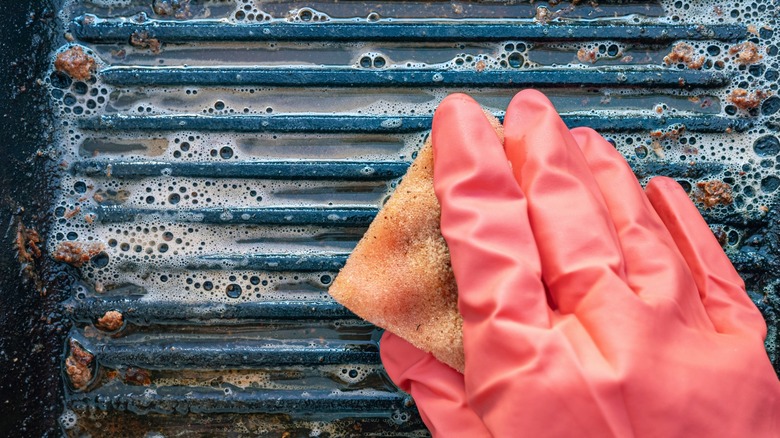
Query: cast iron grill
x=218 y=182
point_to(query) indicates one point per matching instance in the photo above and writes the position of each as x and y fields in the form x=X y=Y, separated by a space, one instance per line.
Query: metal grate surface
x=226 y=156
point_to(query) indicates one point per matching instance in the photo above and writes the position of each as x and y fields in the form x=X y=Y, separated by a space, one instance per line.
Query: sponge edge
x=399 y=276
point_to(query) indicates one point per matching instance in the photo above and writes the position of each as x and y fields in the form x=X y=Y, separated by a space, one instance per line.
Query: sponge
x=399 y=276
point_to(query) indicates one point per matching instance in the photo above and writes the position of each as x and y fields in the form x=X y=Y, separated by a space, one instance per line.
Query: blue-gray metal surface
x=374 y=124
x=217 y=248
x=93 y=29
x=350 y=77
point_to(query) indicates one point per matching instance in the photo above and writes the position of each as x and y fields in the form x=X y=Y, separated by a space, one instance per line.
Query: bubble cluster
x=372 y=60
x=169 y=261
x=247 y=10
x=306 y=15
x=68 y=419
x=710 y=12
x=80 y=98
x=252 y=11
x=400 y=417
x=355 y=374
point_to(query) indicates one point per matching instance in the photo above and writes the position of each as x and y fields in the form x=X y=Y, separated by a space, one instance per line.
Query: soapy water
x=68 y=419
x=749 y=160
x=345 y=377
x=152 y=257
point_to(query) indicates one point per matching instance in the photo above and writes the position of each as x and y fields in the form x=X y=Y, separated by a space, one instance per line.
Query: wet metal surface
x=32 y=325
x=209 y=179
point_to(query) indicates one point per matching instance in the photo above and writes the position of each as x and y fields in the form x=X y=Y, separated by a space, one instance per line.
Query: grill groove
x=373 y=124
x=142 y=312
x=209 y=401
x=350 y=77
x=356 y=216
x=347 y=171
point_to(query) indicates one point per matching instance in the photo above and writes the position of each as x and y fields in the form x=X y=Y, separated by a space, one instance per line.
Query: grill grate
x=217 y=186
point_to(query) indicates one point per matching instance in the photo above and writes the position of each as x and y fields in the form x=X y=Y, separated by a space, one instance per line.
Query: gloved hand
x=591 y=307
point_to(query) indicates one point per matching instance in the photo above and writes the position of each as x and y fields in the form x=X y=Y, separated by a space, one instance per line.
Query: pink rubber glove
x=591 y=308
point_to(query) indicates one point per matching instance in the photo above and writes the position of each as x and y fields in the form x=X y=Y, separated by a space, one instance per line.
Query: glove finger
x=720 y=287
x=654 y=266
x=484 y=222
x=580 y=254
x=493 y=251
x=437 y=389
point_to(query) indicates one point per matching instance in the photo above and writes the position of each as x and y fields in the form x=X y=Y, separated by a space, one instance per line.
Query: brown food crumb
x=746 y=101
x=75 y=63
x=721 y=235
x=480 y=66
x=696 y=64
x=111 y=321
x=627 y=58
x=747 y=53
x=543 y=15
x=586 y=55
x=27 y=247
x=672 y=134
x=76 y=253
x=142 y=40
x=176 y=8
x=77 y=366
x=138 y=376
x=26 y=243
x=712 y=193
x=682 y=53
x=70 y=214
